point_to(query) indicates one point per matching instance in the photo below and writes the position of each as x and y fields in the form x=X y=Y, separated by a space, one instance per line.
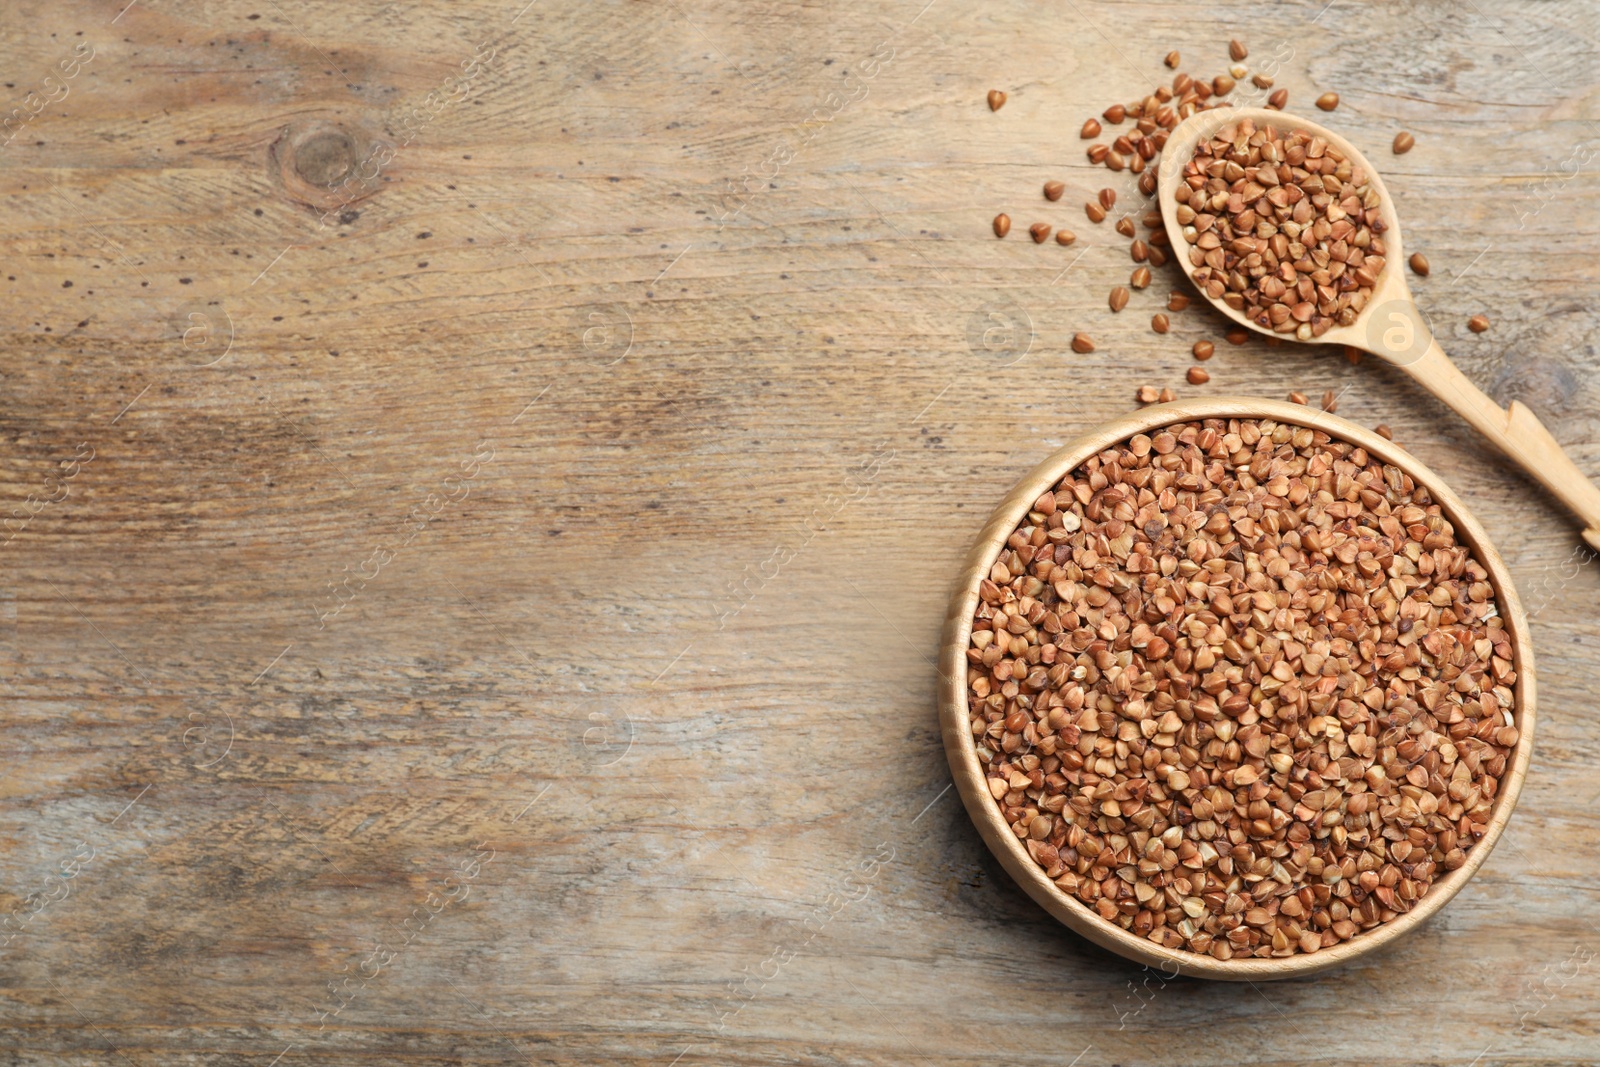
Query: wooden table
x=475 y=558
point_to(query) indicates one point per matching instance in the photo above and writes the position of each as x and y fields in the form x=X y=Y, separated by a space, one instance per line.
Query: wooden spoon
x=1391 y=327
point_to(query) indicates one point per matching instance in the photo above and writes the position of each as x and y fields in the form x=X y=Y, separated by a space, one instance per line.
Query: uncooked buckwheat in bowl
x=1237 y=687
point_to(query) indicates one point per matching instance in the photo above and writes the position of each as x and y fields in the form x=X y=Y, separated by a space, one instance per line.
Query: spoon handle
x=1516 y=431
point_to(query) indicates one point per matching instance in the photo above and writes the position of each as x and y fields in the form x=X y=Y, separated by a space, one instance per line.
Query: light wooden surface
x=699 y=463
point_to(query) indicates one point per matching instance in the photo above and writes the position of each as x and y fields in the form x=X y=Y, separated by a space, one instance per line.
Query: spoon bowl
x=1390 y=287
x=1389 y=325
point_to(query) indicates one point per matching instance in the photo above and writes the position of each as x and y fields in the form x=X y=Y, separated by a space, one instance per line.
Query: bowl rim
x=961 y=750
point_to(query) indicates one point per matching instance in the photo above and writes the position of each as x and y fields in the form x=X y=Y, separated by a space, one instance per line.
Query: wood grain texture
x=635 y=403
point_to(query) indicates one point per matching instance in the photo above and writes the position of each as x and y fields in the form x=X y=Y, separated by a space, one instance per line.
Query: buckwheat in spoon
x=1288 y=230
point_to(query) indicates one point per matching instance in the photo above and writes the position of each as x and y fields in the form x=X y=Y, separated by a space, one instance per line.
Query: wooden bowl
x=969 y=776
